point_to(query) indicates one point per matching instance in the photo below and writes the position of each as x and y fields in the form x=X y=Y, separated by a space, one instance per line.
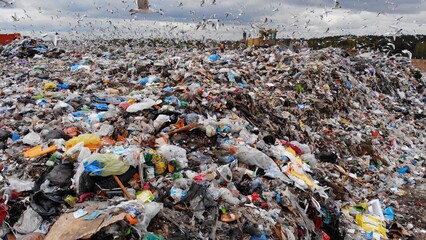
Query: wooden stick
x=117 y=180
x=189 y=127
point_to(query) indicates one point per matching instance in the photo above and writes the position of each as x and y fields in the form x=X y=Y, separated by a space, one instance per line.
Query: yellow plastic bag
x=91 y=141
x=371 y=224
x=49 y=85
x=105 y=165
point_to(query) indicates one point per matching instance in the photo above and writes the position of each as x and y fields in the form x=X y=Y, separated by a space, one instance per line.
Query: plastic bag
x=175 y=155
x=29 y=221
x=146 y=104
x=105 y=165
x=153 y=158
x=90 y=141
x=32 y=139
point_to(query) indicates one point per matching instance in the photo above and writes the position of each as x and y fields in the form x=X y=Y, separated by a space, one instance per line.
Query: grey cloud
x=355 y=17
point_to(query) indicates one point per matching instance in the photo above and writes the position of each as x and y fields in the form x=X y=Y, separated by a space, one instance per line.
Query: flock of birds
x=231 y=20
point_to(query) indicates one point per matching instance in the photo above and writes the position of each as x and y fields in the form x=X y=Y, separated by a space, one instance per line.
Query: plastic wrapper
x=105 y=165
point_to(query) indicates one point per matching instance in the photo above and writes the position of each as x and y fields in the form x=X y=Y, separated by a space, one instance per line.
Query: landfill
x=135 y=141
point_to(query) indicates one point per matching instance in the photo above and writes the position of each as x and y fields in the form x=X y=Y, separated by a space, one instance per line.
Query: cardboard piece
x=69 y=228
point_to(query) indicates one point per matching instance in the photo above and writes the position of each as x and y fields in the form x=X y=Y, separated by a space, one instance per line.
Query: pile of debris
x=141 y=143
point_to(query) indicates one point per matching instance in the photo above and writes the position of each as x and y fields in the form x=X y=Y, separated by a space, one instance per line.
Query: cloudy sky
x=85 y=19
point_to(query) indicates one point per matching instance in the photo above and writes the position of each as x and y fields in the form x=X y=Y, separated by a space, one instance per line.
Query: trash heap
x=155 y=143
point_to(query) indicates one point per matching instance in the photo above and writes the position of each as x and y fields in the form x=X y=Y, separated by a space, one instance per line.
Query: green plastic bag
x=105 y=165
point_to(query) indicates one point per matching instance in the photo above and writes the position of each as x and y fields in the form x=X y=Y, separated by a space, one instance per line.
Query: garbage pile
x=156 y=143
x=29 y=48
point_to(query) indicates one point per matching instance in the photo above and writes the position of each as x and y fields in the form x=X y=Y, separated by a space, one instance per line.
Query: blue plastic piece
x=144 y=81
x=101 y=107
x=348 y=84
x=403 y=170
x=75 y=67
x=215 y=57
x=80 y=113
x=15 y=136
x=62 y=86
x=168 y=89
x=389 y=213
x=94 y=167
x=263 y=237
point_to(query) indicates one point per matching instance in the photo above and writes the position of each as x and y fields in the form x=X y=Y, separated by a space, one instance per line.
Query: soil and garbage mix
x=107 y=141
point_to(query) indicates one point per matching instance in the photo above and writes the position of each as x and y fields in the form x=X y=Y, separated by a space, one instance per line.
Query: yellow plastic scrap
x=345 y=121
x=371 y=224
x=91 y=141
x=49 y=85
x=361 y=207
x=302 y=176
x=290 y=150
x=39 y=151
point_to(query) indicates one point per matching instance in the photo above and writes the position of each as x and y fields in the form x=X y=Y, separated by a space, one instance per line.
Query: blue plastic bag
x=403 y=170
x=389 y=213
x=94 y=168
x=215 y=57
x=101 y=107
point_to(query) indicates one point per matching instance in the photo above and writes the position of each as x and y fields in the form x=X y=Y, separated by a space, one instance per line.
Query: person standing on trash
x=222 y=47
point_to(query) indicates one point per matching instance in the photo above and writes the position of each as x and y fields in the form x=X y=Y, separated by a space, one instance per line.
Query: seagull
x=398 y=19
x=143 y=8
x=7 y=2
x=80 y=18
x=214 y=23
x=410 y=55
x=337 y=4
x=15 y=18
x=52 y=37
x=326 y=31
x=392 y=45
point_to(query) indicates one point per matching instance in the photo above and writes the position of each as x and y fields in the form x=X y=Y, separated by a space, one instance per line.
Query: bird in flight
x=7 y=2
x=337 y=4
x=143 y=8
x=15 y=18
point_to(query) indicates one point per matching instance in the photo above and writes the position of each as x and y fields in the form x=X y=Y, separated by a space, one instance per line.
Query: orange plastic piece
x=108 y=141
x=121 y=138
x=179 y=124
x=131 y=220
x=39 y=151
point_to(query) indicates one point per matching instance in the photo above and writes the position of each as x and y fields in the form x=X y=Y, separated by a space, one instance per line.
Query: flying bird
x=410 y=55
x=143 y=8
x=7 y=2
x=337 y=4
x=15 y=18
